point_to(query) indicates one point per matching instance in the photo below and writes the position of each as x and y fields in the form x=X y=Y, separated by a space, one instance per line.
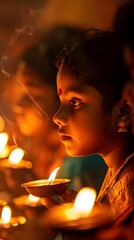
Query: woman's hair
x=97 y=60
x=124 y=24
x=40 y=58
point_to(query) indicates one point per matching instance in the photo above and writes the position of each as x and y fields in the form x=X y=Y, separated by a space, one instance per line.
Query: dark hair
x=124 y=24
x=97 y=60
x=41 y=58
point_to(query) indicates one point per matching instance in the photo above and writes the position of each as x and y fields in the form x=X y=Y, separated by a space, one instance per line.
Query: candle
x=15 y=160
x=31 y=205
x=27 y=201
x=4 y=148
x=47 y=187
x=7 y=221
x=32 y=200
x=16 y=156
x=83 y=214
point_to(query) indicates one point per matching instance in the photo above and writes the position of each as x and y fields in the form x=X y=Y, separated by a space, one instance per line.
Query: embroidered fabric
x=119 y=191
x=110 y=180
x=121 y=196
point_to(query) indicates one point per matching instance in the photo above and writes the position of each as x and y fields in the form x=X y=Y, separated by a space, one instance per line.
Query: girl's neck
x=116 y=158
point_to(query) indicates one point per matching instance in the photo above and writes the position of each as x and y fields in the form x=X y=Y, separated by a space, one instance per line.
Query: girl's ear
x=125 y=114
x=128 y=97
x=126 y=111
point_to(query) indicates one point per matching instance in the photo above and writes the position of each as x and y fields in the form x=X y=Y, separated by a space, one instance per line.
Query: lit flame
x=6 y=214
x=16 y=156
x=3 y=140
x=85 y=200
x=33 y=199
x=53 y=175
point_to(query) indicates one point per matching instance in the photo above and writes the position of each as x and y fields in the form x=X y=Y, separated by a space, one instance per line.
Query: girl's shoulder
x=121 y=196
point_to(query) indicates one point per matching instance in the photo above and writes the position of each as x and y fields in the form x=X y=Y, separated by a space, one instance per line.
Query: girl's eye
x=75 y=102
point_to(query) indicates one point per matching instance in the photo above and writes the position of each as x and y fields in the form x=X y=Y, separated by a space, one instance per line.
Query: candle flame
x=33 y=199
x=16 y=156
x=85 y=200
x=3 y=140
x=6 y=214
x=53 y=175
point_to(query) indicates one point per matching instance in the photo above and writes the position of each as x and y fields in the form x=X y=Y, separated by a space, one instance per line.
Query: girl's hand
x=68 y=196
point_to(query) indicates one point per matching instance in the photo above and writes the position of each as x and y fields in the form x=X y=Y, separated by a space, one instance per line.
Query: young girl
x=95 y=118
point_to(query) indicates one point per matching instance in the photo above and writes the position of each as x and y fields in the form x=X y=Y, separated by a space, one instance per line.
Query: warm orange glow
x=83 y=204
x=53 y=175
x=5 y=152
x=6 y=214
x=16 y=156
x=85 y=200
x=3 y=140
x=2 y=123
x=33 y=199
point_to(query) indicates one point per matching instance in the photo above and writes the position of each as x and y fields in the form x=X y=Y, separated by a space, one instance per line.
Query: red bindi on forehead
x=59 y=79
x=59 y=91
x=59 y=88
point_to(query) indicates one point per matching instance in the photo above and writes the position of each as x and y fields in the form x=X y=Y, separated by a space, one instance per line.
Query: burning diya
x=47 y=187
x=27 y=201
x=4 y=148
x=81 y=215
x=7 y=221
x=15 y=160
x=33 y=206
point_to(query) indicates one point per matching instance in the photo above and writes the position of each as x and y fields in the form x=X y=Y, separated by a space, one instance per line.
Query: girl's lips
x=65 y=138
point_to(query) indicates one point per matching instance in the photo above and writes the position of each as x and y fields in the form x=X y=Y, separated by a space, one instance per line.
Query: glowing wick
x=83 y=204
x=16 y=156
x=6 y=214
x=85 y=200
x=33 y=199
x=3 y=140
x=53 y=175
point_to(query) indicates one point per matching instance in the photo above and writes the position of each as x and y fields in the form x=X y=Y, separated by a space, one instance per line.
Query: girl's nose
x=59 y=117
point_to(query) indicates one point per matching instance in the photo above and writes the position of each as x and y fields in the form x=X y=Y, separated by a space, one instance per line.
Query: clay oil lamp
x=7 y=221
x=31 y=205
x=81 y=219
x=15 y=160
x=47 y=187
x=9 y=224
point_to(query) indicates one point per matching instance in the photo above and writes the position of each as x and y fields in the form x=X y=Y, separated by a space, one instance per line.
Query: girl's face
x=83 y=126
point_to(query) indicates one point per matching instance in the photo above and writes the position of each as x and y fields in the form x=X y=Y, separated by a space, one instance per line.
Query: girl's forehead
x=67 y=83
x=65 y=79
x=59 y=82
x=59 y=90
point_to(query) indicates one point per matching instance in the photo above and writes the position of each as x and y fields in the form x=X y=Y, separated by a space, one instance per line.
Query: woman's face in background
x=35 y=104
